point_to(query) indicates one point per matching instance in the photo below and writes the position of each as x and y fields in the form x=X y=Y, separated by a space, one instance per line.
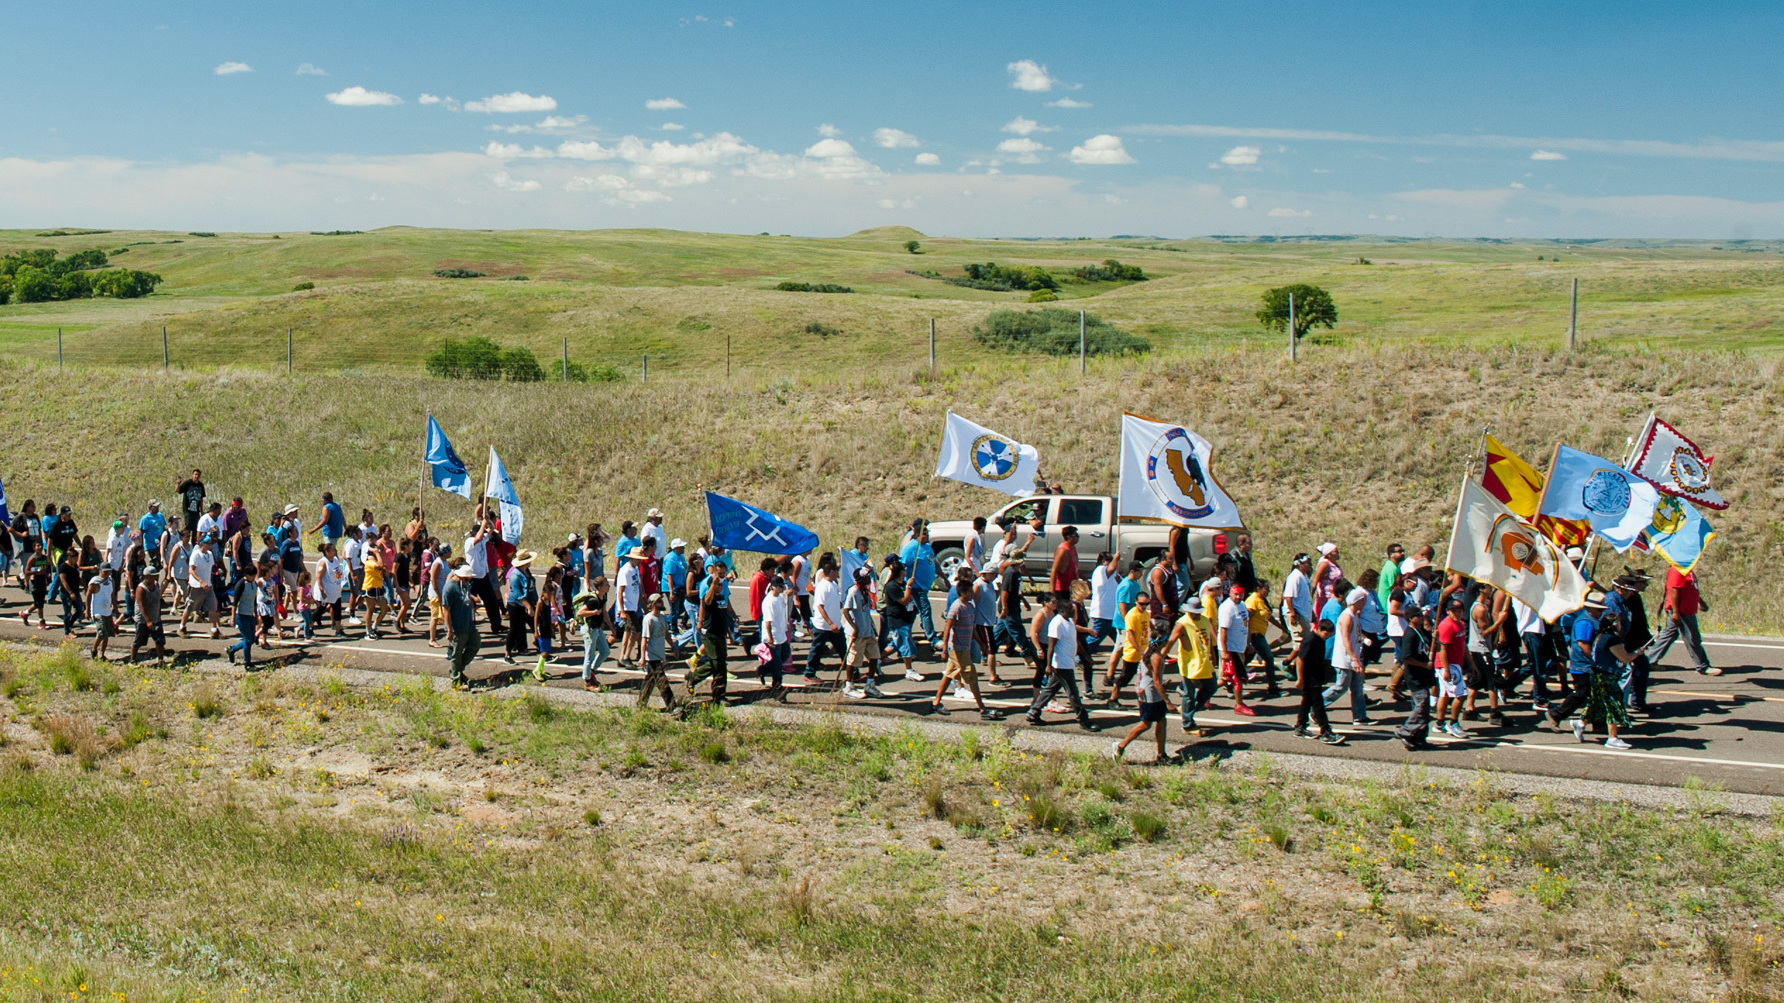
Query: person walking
x=1154 y=705
x=191 y=495
x=521 y=597
x=545 y=612
x=918 y=558
x=898 y=615
x=863 y=643
x=1312 y=667
x=1413 y=651
x=656 y=650
x=101 y=592
x=775 y=649
x=631 y=606
x=595 y=621
x=462 y=639
x=1451 y=650
x=1678 y=618
x=246 y=624
x=476 y=554
x=201 y=597
x=826 y=618
x=714 y=627
x=1297 y=600
x=1234 y=645
x=148 y=615
x=1061 y=661
x=1347 y=657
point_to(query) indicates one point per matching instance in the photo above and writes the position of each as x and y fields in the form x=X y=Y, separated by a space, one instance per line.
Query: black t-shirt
x=895 y=608
x=1416 y=648
x=191 y=494
x=1312 y=656
x=291 y=555
x=1009 y=599
x=62 y=537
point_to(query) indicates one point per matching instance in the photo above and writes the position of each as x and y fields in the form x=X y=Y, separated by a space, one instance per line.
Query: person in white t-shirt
x=1105 y=621
x=329 y=579
x=437 y=571
x=1234 y=644
x=777 y=635
x=826 y=617
x=100 y=593
x=1062 y=660
x=200 y=598
x=1347 y=657
x=801 y=596
x=1297 y=600
x=974 y=545
x=653 y=530
x=630 y=610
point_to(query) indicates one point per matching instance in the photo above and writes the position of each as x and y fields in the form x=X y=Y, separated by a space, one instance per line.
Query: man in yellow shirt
x=1131 y=653
x=1261 y=617
x=373 y=590
x=1194 y=637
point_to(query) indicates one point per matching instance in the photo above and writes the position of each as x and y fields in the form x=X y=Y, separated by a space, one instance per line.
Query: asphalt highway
x=1725 y=730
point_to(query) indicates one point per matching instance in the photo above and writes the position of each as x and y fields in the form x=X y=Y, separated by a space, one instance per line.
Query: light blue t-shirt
x=152 y=524
x=920 y=559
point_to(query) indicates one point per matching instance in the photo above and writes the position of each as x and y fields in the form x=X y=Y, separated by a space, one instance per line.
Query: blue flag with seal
x=497 y=485
x=740 y=526
x=1679 y=532
x=449 y=470
x=1617 y=504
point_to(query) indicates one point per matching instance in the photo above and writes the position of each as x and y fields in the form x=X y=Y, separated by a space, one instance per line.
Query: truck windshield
x=1023 y=511
x=1080 y=511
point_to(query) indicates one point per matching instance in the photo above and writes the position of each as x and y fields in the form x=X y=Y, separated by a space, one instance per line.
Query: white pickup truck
x=1099 y=529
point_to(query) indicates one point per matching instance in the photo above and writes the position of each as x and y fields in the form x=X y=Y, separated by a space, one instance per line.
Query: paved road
x=1726 y=730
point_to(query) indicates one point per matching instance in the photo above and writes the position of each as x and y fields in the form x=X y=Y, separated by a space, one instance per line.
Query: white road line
x=1737 y=644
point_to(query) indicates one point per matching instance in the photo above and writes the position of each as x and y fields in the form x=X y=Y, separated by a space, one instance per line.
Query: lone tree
x=1313 y=305
x=911 y=246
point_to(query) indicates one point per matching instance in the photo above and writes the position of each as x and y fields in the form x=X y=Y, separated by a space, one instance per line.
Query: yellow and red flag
x=1517 y=486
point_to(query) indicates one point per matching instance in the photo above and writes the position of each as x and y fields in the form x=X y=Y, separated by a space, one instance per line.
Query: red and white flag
x=1674 y=464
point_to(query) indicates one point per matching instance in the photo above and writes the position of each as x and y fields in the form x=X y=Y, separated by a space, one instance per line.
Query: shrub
x=1012 y=276
x=599 y=372
x=715 y=753
x=125 y=283
x=912 y=246
x=1148 y=827
x=301 y=286
x=472 y=359
x=812 y=287
x=821 y=330
x=1110 y=271
x=200 y=233
x=206 y=705
x=334 y=233
x=519 y=366
x=457 y=273
x=1042 y=296
x=1052 y=331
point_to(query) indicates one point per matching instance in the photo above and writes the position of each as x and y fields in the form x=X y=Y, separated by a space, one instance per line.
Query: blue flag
x=449 y=470
x=1617 y=504
x=498 y=486
x=737 y=526
x=5 y=515
x=1679 y=532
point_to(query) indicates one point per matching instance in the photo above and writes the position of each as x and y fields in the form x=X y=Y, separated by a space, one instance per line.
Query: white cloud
x=511 y=103
x=1547 y=155
x=829 y=131
x=826 y=148
x=663 y=104
x=359 y=97
x=1517 y=184
x=671 y=127
x=1068 y=103
x=1728 y=149
x=671 y=177
x=428 y=99
x=605 y=182
x=560 y=122
x=1023 y=151
x=1024 y=126
x=1104 y=149
x=1281 y=213
x=893 y=139
x=1240 y=156
x=225 y=69
x=928 y=159
x=310 y=70
x=1240 y=202
x=509 y=184
x=1028 y=75
x=513 y=151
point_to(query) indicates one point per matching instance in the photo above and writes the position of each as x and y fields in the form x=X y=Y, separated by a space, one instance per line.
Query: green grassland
x=177 y=835
x=618 y=295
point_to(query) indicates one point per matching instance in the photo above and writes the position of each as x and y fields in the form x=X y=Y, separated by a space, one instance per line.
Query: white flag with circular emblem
x=974 y=454
x=1167 y=475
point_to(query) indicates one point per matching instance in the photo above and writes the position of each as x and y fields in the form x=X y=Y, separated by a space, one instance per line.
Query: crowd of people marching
x=1460 y=651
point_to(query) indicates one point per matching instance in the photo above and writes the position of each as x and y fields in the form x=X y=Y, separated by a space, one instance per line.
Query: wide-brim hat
x=291 y=510
x=655 y=513
x=524 y=558
x=463 y=571
x=1412 y=564
x=1595 y=600
x=1633 y=580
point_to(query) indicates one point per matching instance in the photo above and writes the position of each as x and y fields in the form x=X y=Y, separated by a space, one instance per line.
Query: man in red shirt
x=759 y=589
x=1679 y=612
x=1065 y=561
x=1452 y=661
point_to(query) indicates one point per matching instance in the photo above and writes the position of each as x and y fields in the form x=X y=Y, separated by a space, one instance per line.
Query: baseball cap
x=1326 y=548
x=1356 y=596
x=655 y=513
x=677 y=543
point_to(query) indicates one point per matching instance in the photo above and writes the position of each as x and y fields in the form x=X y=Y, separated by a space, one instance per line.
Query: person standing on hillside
x=1678 y=617
x=191 y=494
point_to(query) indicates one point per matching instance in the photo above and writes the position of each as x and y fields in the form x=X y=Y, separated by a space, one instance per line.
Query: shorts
x=374 y=602
x=268 y=621
x=900 y=638
x=960 y=667
x=1152 y=711
x=863 y=651
x=145 y=631
x=104 y=627
x=436 y=610
x=1452 y=682
x=544 y=638
x=201 y=600
x=356 y=580
x=634 y=622
x=1477 y=670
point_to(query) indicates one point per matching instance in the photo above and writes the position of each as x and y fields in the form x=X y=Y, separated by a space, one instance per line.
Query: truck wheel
x=948 y=562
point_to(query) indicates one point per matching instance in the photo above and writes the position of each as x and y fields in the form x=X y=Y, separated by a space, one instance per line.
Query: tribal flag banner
x=1679 y=532
x=1617 y=504
x=5 y=515
x=1490 y=544
x=974 y=454
x=1517 y=486
x=449 y=470
x=740 y=526
x=1674 y=464
x=498 y=486
x=1167 y=475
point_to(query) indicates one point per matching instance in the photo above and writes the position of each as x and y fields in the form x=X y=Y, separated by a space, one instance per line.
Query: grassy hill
x=616 y=295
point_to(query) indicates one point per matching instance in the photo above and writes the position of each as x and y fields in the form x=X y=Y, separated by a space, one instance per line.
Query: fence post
x=58 y=348
x=1573 y=318
x=1080 y=343
x=164 y=346
x=566 y=360
x=932 y=342
x=1291 y=327
x=727 y=355
x=644 y=374
x=288 y=351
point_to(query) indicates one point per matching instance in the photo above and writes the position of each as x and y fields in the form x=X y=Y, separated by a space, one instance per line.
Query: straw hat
x=524 y=558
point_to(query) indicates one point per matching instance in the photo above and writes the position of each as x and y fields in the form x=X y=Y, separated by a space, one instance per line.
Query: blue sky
x=1033 y=119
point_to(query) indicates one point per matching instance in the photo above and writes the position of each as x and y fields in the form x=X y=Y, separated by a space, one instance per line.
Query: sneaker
x=1471 y=715
x=508 y=658
x=1617 y=743
x=1413 y=744
x=231 y=654
x=873 y=691
x=355 y=621
x=1302 y=733
x=1457 y=731
x=1116 y=752
x=1712 y=671
x=991 y=714
x=913 y=676
x=1113 y=703
x=1244 y=711
x=1579 y=729
x=1363 y=723
x=1497 y=720
x=961 y=692
x=1330 y=738
x=1539 y=707
x=1088 y=725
